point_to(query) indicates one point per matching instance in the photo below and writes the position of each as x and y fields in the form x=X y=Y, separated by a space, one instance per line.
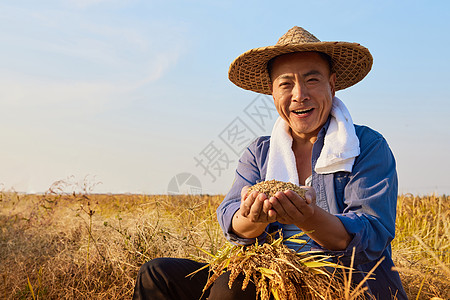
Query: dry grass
x=70 y=244
x=422 y=244
x=79 y=246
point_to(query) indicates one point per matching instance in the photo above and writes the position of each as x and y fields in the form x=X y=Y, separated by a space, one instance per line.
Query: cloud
x=80 y=59
x=19 y=89
x=101 y=46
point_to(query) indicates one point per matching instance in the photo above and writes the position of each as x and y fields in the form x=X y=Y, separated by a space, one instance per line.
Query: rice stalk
x=282 y=273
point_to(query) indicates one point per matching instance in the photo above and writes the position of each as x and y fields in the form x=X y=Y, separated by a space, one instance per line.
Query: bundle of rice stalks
x=278 y=271
x=270 y=187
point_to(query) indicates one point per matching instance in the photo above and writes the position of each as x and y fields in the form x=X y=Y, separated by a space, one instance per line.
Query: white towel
x=281 y=165
x=341 y=146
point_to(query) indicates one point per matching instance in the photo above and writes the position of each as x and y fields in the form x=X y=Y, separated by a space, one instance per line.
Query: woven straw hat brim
x=351 y=63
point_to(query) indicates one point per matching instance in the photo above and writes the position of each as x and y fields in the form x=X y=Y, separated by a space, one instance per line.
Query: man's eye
x=313 y=79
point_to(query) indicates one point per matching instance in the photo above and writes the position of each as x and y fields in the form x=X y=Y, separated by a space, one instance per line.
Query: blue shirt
x=364 y=200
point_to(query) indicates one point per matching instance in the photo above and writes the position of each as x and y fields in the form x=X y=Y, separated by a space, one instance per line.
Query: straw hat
x=350 y=61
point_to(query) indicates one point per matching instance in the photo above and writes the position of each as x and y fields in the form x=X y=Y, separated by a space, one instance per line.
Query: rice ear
x=279 y=271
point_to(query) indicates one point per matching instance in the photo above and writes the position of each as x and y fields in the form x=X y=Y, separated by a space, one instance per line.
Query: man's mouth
x=300 y=112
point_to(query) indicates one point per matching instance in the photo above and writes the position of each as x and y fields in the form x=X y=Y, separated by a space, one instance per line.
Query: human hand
x=256 y=207
x=290 y=208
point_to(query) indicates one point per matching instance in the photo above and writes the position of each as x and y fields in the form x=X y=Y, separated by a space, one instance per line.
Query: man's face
x=303 y=89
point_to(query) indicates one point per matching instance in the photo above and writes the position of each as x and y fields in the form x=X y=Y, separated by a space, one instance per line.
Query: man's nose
x=300 y=92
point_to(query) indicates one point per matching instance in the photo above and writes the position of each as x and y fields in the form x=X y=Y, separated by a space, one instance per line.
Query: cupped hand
x=291 y=208
x=256 y=207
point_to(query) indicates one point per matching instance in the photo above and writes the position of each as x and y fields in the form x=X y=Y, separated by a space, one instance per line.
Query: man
x=351 y=201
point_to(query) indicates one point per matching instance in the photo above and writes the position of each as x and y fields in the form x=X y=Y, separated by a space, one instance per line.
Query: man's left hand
x=291 y=208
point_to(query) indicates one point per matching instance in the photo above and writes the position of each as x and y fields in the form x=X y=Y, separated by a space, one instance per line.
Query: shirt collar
x=324 y=129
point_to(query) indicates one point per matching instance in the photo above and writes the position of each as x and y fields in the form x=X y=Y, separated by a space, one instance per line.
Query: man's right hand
x=253 y=215
x=256 y=207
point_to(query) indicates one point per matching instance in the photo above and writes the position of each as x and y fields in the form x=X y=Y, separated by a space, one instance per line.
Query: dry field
x=72 y=244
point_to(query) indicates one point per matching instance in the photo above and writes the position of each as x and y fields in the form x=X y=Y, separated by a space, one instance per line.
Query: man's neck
x=302 y=141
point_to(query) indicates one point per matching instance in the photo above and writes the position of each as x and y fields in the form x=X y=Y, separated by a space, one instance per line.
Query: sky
x=134 y=97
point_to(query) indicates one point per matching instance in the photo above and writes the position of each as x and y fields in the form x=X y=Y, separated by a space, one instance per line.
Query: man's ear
x=271 y=86
x=332 y=82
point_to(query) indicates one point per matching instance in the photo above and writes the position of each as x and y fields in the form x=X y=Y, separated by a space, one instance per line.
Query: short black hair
x=324 y=56
x=328 y=59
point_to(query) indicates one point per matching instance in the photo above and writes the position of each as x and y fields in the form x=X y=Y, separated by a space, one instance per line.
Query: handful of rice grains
x=270 y=188
x=282 y=273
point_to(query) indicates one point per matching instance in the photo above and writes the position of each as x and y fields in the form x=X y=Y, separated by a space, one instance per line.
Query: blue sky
x=131 y=93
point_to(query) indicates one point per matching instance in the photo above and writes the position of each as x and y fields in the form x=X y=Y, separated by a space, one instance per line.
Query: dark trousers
x=165 y=278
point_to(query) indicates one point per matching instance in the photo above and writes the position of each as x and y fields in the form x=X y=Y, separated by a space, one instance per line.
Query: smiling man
x=348 y=169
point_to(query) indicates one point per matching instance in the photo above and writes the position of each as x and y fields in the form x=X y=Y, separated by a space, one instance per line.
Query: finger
x=288 y=204
x=247 y=204
x=267 y=206
x=308 y=198
x=244 y=191
x=278 y=206
x=310 y=195
x=304 y=209
x=271 y=215
x=296 y=200
x=257 y=208
x=268 y=212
